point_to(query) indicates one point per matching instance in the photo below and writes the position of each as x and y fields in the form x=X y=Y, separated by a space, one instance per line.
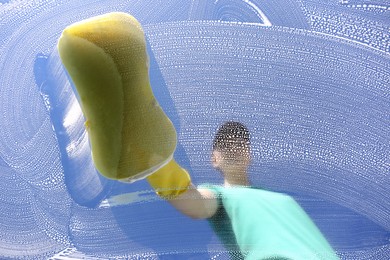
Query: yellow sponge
x=130 y=136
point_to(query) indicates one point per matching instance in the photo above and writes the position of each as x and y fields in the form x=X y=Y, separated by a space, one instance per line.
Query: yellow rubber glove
x=170 y=181
x=130 y=136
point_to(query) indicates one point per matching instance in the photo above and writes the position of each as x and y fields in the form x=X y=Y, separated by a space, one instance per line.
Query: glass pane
x=309 y=79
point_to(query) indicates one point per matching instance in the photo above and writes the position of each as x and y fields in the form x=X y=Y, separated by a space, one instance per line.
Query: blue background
x=310 y=79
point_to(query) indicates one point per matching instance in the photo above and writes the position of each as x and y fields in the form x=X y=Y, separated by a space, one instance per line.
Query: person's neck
x=236 y=178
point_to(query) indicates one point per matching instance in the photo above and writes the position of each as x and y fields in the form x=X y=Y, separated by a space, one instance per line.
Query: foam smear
x=84 y=183
x=312 y=85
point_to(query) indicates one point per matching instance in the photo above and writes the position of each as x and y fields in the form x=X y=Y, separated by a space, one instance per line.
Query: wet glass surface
x=310 y=78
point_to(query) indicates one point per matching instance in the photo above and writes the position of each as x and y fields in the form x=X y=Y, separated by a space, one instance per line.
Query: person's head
x=231 y=147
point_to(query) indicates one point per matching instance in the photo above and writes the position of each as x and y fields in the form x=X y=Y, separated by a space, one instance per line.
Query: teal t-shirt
x=259 y=224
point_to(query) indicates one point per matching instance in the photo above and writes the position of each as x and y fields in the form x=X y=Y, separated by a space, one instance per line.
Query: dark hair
x=232 y=137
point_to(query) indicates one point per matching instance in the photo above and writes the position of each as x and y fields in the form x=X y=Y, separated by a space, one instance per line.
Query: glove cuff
x=170 y=181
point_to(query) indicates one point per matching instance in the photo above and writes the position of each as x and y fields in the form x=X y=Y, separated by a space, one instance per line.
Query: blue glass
x=309 y=78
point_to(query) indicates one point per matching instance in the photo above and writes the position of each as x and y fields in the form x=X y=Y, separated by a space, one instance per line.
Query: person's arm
x=196 y=203
x=173 y=183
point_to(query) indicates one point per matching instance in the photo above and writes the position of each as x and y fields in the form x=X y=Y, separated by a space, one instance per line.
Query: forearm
x=196 y=203
x=173 y=183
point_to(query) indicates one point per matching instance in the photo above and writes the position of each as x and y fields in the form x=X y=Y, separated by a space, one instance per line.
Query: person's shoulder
x=219 y=190
x=216 y=189
x=209 y=186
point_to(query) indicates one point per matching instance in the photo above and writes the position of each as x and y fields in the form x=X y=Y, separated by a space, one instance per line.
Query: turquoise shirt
x=259 y=224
